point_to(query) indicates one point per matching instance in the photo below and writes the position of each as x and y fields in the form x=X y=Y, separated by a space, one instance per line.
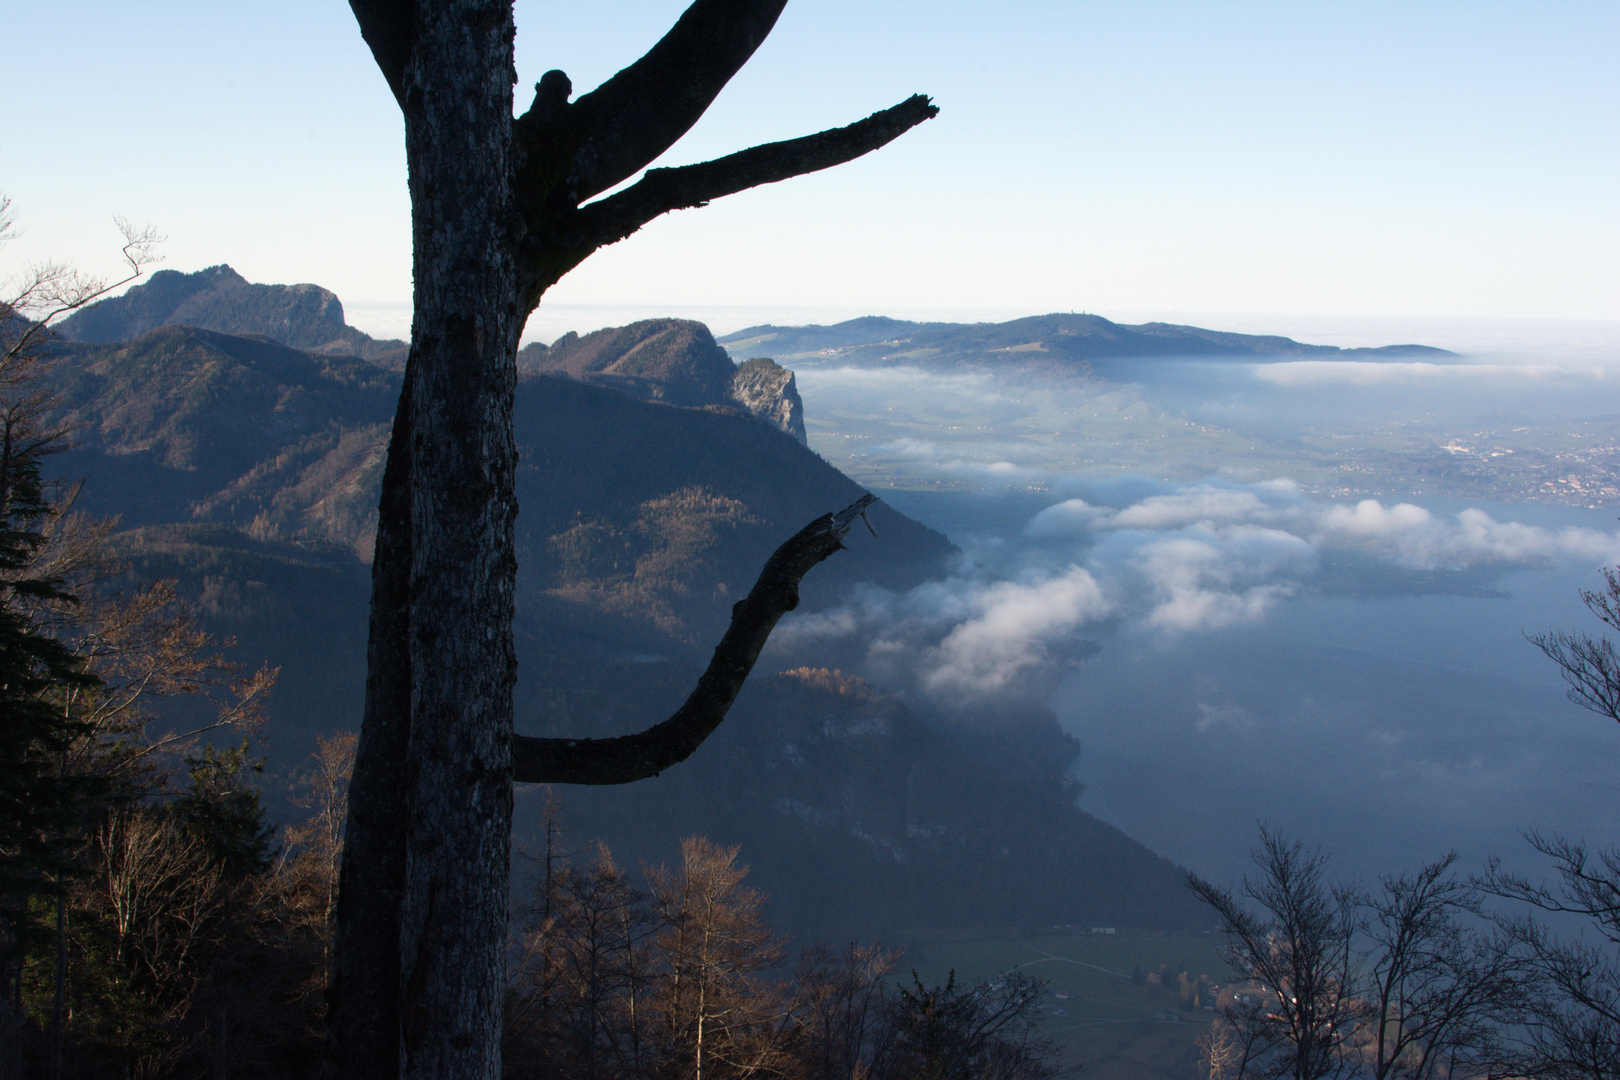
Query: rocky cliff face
x=767 y=389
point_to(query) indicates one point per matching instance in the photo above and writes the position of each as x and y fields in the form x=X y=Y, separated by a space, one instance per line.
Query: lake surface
x=1357 y=675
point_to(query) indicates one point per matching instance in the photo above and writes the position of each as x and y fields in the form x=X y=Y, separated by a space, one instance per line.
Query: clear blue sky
x=1391 y=159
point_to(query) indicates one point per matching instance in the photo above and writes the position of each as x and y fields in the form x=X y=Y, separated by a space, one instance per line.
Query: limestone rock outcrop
x=768 y=390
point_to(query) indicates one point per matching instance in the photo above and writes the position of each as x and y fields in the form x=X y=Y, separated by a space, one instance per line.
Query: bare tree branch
x=639 y=113
x=389 y=27
x=647 y=753
x=1589 y=665
x=662 y=190
x=50 y=290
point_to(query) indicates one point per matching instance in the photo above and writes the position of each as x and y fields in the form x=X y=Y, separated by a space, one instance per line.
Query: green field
x=1105 y=1020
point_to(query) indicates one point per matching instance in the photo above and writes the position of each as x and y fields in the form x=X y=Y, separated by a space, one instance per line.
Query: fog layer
x=1293 y=637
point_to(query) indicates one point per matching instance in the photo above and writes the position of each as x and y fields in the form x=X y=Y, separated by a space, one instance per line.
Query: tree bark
x=463 y=457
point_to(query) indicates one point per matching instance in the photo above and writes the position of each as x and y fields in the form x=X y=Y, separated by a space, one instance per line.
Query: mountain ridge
x=674 y=361
x=1053 y=342
x=217 y=298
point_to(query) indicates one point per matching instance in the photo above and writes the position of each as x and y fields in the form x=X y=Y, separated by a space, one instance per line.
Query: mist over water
x=1387 y=722
x=1235 y=641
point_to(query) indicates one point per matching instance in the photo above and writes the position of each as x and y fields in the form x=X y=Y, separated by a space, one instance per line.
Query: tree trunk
x=363 y=1021
x=422 y=917
x=462 y=458
x=60 y=990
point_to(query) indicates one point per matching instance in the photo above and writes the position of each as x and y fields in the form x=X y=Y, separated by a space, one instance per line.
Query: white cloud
x=1208 y=581
x=907 y=380
x=1011 y=631
x=1370 y=518
x=1413 y=536
x=1068 y=518
x=1235 y=717
x=1196 y=560
x=1194 y=505
x=1211 y=555
x=1364 y=373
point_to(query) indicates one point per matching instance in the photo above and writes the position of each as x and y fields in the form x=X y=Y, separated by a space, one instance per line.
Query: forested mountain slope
x=248 y=470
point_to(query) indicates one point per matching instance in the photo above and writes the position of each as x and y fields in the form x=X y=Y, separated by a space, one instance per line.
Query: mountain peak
x=674 y=361
x=217 y=298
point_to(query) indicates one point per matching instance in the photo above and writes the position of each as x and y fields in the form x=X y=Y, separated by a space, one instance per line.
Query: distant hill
x=1038 y=344
x=192 y=426
x=675 y=361
x=302 y=316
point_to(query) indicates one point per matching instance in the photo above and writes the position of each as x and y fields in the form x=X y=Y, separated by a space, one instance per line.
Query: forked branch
x=629 y=758
x=635 y=116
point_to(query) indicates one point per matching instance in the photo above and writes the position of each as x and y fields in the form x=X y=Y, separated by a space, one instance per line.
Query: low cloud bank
x=1402 y=533
x=1192 y=560
x=963 y=638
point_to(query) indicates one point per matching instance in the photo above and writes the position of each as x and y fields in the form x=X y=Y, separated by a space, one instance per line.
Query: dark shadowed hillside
x=626 y=504
x=653 y=512
x=187 y=425
x=815 y=768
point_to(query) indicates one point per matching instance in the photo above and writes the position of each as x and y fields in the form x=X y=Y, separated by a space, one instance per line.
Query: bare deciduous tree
x=45 y=292
x=1219 y=1050
x=1439 y=994
x=163 y=891
x=988 y=1030
x=1590 y=664
x=686 y=980
x=843 y=1000
x=715 y=1010
x=501 y=208
x=1577 y=1010
x=1299 y=949
x=325 y=791
x=1574 y=996
x=582 y=980
x=1404 y=983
